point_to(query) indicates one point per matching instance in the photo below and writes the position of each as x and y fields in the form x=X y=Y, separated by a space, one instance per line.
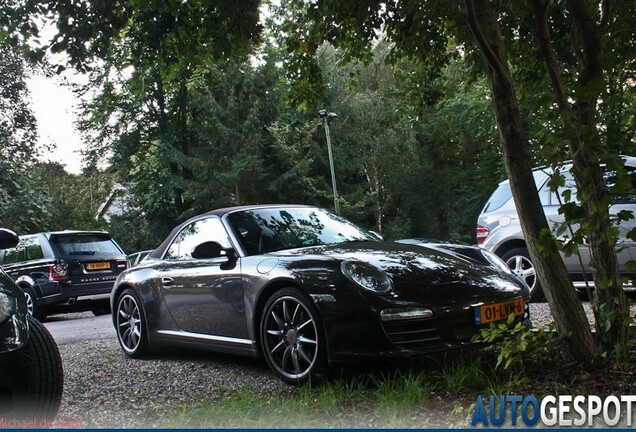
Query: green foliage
x=517 y=343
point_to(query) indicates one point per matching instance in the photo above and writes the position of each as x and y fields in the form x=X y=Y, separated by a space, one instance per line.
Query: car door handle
x=167 y=281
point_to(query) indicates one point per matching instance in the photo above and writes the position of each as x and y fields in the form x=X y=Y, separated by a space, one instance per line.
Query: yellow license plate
x=485 y=314
x=98 y=266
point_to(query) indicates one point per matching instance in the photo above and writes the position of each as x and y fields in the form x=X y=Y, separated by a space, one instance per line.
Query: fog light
x=405 y=314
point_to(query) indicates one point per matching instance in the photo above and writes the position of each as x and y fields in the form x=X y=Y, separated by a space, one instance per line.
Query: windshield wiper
x=82 y=253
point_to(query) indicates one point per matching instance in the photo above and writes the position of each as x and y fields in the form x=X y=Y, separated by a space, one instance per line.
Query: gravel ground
x=105 y=389
x=541 y=316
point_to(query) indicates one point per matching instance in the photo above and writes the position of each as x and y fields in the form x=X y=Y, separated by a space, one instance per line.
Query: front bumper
x=356 y=332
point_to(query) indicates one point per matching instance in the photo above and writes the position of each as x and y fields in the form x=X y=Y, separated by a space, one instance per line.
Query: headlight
x=496 y=261
x=367 y=276
x=7 y=306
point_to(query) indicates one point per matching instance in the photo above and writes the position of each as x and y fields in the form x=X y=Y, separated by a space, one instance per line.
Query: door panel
x=206 y=297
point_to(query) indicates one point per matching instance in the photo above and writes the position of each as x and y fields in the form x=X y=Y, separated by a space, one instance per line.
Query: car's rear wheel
x=130 y=325
x=518 y=260
x=35 y=310
x=291 y=336
x=36 y=394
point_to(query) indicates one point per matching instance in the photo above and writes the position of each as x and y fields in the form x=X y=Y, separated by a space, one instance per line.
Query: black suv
x=65 y=271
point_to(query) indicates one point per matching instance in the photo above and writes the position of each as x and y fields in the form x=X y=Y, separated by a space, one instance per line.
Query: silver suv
x=499 y=230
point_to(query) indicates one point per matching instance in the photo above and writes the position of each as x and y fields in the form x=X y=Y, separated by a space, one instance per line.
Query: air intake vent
x=414 y=335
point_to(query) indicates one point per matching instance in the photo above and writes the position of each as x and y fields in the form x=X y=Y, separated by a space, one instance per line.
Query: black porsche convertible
x=304 y=288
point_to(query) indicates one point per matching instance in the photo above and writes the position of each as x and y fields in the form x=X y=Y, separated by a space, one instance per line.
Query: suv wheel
x=518 y=259
x=36 y=311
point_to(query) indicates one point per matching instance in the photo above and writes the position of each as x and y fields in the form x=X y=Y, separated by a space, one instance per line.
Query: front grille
x=413 y=335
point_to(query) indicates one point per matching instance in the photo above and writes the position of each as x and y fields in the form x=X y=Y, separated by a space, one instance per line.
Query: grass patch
x=431 y=394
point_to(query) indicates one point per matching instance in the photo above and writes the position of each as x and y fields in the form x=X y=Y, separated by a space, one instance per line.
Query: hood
x=421 y=270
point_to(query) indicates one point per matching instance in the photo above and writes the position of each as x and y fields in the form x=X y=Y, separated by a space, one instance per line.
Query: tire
x=39 y=391
x=130 y=324
x=518 y=260
x=35 y=310
x=291 y=336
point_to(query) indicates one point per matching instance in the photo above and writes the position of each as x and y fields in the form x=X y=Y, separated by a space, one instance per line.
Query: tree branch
x=605 y=17
x=545 y=45
x=486 y=49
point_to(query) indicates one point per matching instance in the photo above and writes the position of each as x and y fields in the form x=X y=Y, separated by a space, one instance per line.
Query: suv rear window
x=85 y=245
x=500 y=196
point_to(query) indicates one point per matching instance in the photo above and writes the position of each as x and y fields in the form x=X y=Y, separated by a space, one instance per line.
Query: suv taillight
x=482 y=233
x=57 y=272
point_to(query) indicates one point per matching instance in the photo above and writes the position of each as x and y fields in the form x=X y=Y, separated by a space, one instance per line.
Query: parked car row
x=300 y=286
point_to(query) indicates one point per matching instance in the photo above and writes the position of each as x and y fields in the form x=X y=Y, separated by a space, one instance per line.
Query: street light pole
x=324 y=114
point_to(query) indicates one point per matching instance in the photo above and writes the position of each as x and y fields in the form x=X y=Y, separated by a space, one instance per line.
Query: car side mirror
x=211 y=249
x=8 y=238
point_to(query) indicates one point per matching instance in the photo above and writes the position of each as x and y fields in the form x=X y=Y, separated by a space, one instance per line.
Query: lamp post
x=324 y=114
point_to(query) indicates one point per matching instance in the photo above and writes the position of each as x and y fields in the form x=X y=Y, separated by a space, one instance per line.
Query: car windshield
x=273 y=229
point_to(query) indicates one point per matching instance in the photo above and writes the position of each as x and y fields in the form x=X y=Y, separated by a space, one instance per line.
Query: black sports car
x=304 y=287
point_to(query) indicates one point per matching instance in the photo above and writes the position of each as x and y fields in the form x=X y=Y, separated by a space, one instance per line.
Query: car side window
x=32 y=249
x=570 y=185
x=625 y=196
x=195 y=233
x=16 y=254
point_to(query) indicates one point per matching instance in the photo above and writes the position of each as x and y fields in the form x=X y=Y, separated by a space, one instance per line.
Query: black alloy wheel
x=130 y=325
x=291 y=336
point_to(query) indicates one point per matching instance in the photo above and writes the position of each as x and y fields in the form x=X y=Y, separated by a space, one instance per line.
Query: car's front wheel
x=291 y=336
x=130 y=325
x=518 y=260
x=33 y=390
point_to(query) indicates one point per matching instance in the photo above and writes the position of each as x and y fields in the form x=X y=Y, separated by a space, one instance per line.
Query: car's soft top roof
x=158 y=253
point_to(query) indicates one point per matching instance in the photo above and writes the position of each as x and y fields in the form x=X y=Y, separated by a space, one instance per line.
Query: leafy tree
x=20 y=208
x=423 y=30
x=144 y=57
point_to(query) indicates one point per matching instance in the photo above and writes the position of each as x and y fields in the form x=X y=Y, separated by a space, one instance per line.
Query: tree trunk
x=564 y=303
x=611 y=307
